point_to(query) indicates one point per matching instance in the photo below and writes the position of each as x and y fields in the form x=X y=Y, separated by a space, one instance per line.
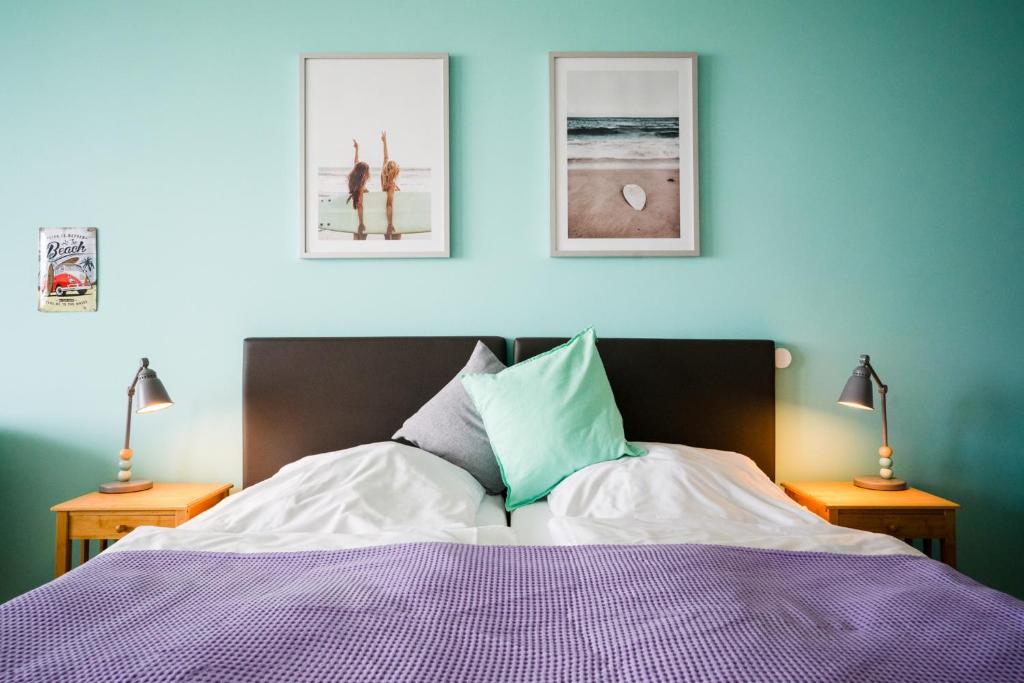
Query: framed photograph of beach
x=374 y=155
x=624 y=178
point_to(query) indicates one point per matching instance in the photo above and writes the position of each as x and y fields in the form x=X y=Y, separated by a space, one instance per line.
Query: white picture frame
x=622 y=120
x=347 y=98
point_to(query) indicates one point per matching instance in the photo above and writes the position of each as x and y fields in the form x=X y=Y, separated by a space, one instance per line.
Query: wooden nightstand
x=908 y=514
x=109 y=516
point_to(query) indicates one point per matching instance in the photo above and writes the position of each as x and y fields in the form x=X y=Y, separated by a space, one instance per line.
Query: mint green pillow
x=548 y=417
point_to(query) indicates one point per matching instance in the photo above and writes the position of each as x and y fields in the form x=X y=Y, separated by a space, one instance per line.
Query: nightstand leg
x=62 y=565
x=83 y=551
x=927 y=546
x=103 y=544
x=947 y=551
x=947 y=544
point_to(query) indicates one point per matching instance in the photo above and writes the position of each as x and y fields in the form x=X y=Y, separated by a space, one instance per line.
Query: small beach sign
x=68 y=277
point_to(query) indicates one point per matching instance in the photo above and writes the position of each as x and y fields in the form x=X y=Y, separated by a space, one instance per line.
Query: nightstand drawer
x=113 y=526
x=901 y=524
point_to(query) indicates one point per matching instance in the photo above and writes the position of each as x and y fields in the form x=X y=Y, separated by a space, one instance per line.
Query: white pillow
x=673 y=483
x=366 y=489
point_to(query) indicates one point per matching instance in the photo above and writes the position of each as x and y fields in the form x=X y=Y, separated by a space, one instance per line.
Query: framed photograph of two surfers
x=624 y=169
x=374 y=155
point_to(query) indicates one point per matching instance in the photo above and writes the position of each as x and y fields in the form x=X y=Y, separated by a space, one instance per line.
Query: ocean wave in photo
x=630 y=127
x=611 y=163
x=334 y=179
x=607 y=142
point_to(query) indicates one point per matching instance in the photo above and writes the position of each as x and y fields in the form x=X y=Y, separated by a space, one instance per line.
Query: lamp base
x=876 y=483
x=126 y=486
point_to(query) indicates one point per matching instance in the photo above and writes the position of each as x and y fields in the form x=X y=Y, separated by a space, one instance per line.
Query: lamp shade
x=151 y=394
x=858 y=392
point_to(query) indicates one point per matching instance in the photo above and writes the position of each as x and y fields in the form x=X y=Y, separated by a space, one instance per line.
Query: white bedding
x=678 y=494
x=375 y=494
x=530 y=524
x=385 y=493
x=492 y=511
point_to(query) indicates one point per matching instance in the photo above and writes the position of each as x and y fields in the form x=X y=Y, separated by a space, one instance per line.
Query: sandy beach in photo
x=597 y=208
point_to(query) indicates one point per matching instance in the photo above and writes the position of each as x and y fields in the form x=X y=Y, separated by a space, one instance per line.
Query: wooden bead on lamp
x=858 y=393
x=152 y=397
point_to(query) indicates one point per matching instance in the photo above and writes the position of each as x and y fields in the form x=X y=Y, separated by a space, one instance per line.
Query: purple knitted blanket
x=440 y=612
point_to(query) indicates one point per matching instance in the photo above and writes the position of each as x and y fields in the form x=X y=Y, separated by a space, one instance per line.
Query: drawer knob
x=122 y=528
x=891 y=528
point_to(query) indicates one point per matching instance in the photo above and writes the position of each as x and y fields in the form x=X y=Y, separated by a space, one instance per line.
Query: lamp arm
x=883 y=389
x=143 y=364
x=128 y=420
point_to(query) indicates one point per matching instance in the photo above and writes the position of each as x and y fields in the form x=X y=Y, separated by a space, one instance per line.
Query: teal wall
x=861 y=191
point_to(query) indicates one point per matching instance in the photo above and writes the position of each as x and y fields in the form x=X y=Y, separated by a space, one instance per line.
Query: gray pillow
x=449 y=426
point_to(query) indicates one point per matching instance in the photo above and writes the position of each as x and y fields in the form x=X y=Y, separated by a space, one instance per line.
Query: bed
x=326 y=569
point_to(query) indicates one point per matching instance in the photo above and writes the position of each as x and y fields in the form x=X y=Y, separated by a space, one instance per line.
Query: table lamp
x=152 y=397
x=858 y=393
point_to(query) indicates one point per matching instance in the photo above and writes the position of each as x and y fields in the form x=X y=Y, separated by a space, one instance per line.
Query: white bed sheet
x=492 y=511
x=530 y=524
x=678 y=494
x=376 y=494
x=156 y=538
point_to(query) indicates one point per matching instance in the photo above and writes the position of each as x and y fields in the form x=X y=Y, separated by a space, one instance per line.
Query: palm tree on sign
x=90 y=267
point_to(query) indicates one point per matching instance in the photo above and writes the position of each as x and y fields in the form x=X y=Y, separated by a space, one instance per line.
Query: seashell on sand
x=635 y=196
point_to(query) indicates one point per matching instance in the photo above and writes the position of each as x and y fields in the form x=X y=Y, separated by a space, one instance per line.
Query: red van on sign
x=69 y=278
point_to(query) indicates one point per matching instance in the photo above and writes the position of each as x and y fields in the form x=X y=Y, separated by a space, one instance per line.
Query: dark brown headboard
x=313 y=395
x=707 y=393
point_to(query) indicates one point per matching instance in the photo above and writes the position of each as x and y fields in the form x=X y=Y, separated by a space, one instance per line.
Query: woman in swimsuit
x=388 y=177
x=357 y=180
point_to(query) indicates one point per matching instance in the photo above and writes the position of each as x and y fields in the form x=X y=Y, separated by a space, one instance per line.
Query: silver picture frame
x=688 y=241
x=376 y=249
